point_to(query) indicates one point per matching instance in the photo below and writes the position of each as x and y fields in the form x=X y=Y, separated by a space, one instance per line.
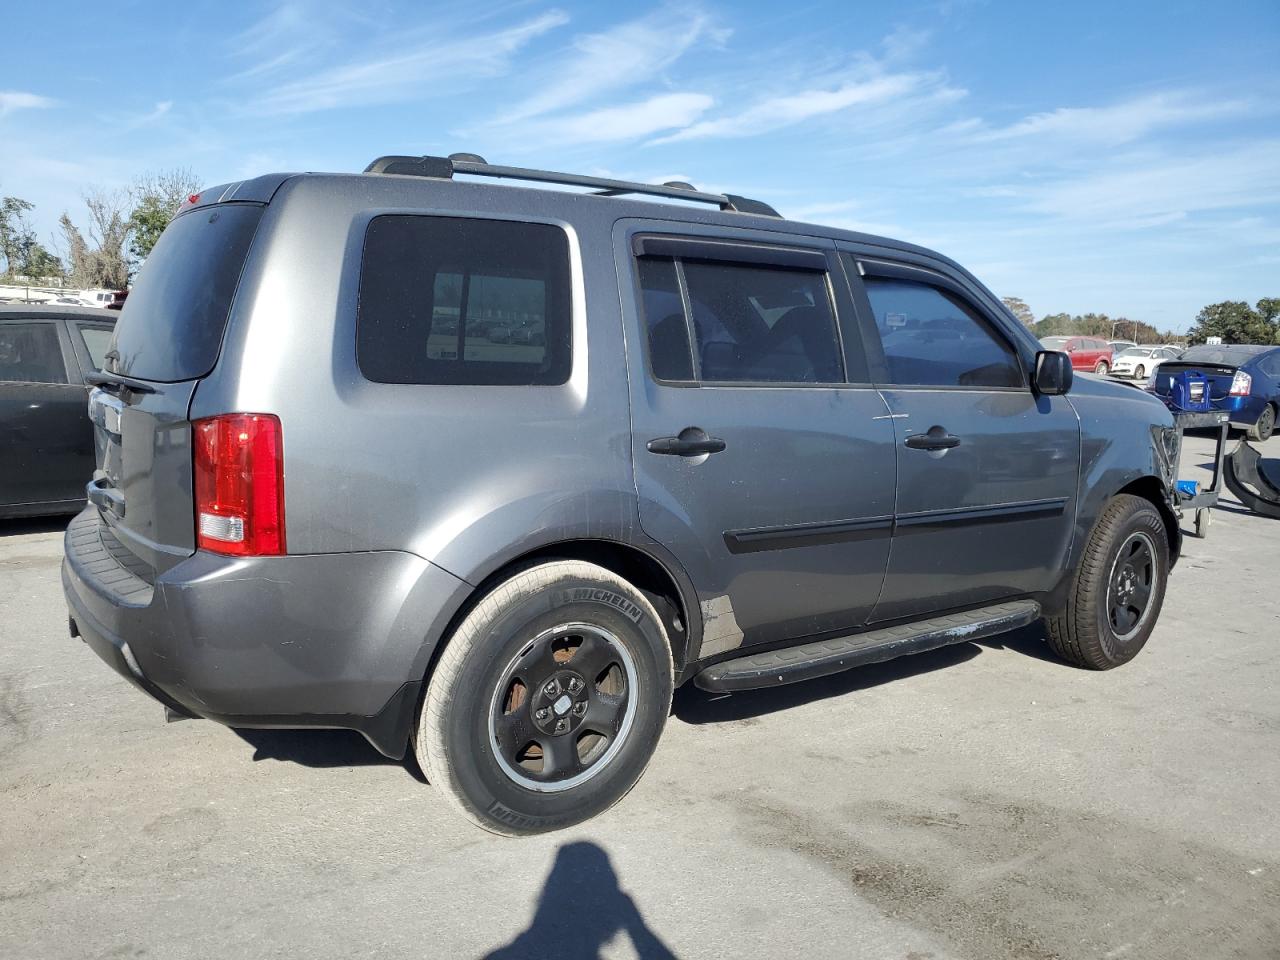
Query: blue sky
x=1118 y=157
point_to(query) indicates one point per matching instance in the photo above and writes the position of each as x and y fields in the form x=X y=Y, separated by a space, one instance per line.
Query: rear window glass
x=452 y=300
x=172 y=324
x=1232 y=355
x=97 y=340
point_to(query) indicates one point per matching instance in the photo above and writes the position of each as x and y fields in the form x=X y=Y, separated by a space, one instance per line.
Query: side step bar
x=823 y=657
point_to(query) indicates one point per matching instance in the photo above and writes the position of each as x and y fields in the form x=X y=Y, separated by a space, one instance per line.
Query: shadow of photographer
x=582 y=908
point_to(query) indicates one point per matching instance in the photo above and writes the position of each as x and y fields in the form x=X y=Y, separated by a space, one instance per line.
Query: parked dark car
x=1244 y=380
x=46 y=440
x=1091 y=354
x=744 y=452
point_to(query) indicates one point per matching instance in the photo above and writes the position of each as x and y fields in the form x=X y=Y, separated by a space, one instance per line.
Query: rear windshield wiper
x=101 y=378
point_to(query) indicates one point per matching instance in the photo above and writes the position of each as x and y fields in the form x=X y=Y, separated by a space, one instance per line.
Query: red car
x=1087 y=353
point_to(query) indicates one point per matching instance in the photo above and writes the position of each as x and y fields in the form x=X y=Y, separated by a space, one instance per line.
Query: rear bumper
x=325 y=640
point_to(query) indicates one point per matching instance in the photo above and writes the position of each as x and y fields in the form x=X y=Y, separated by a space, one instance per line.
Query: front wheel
x=1140 y=373
x=1266 y=425
x=1102 y=368
x=1118 y=590
x=548 y=700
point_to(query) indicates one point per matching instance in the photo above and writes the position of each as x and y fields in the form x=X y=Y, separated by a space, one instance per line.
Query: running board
x=823 y=657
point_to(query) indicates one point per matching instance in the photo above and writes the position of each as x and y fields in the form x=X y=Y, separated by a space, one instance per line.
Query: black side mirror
x=1053 y=374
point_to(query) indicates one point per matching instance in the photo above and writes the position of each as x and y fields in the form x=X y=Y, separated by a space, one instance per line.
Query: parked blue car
x=1244 y=380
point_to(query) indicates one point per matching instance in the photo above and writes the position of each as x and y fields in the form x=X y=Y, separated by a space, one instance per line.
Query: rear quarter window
x=172 y=323
x=455 y=300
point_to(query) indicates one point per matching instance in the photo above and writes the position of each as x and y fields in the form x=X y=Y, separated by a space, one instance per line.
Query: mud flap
x=1254 y=481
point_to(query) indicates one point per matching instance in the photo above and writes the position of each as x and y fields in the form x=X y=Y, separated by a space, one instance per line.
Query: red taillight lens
x=1241 y=384
x=239 y=484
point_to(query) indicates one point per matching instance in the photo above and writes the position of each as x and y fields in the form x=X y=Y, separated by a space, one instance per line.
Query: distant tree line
x=106 y=249
x=1233 y=320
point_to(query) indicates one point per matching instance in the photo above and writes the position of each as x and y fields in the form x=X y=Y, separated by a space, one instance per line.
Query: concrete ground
x=981 y=802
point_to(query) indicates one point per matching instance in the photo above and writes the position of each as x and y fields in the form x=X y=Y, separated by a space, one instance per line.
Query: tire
x=1088 y=633
x=508 y=674
x=1266 y=425
x=1140 y=372
x=1102 y=368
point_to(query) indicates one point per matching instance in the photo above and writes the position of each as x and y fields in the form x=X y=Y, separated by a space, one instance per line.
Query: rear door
x=759 y=464
x=46 y=445
x=987 y=470
x=167 y=338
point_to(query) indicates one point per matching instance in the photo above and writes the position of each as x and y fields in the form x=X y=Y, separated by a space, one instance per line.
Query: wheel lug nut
x=551 y=688
x=543 y=713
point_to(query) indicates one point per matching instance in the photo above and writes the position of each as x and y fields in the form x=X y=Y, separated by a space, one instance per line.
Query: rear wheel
x=1118 y=590
x=548 y=700
x=1266 y=425
x=1102 y=368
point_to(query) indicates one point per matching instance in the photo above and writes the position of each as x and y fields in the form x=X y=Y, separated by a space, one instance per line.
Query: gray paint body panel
x=400 y=499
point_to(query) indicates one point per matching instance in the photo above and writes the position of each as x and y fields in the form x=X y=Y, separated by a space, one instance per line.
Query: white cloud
x=772 y=113
x=11 y=100
x=626 y=122
x=627 y=55
x=1154 y=189
x=409 y=71
x=1115 y=124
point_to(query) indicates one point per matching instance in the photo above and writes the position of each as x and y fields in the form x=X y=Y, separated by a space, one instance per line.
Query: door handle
x=936 y=438
x=686 y=446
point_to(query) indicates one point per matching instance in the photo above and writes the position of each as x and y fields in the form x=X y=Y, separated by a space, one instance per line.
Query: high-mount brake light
x=1241 y=384
x=194 y=198
x=239 y=484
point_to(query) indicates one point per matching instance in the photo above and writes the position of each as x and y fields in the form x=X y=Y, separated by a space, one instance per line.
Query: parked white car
x=1140 y=362
x=100 y=298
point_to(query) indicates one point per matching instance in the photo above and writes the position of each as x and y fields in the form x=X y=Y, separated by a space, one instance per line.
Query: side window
x=752 y=323
x=1271 y=365
x=450 y=300
x=31 y=353
x=97 y=340
x=933 y=339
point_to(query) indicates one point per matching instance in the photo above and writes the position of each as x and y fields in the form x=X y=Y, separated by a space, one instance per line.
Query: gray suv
x=485 y=471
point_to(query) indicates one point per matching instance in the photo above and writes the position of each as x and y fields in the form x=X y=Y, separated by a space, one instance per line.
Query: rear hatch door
x=167 y=339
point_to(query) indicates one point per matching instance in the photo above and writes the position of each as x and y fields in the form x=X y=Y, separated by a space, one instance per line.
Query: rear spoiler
x=257 y=190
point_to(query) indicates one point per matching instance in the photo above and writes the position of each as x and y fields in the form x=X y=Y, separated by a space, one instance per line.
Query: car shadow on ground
x=322 y=749
x=696 y=706
x=580 y=910
x=28 y=525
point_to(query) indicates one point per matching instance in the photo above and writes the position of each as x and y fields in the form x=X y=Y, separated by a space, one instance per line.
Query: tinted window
x=762 y=324
x=668 y=333
x=932 y=339
x=30 y=353
x=97 y=340
x=452 y=300
x=1231 y=355
x=172 y=323
x=1270 y=364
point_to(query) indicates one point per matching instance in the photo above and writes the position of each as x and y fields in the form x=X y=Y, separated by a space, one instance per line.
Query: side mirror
x=1053 y=374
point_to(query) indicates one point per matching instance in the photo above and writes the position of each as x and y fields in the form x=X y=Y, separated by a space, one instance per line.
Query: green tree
x=1237 y=322
x=99 y=261
x=156 y=198
x=1018 y=307
x=15 y=232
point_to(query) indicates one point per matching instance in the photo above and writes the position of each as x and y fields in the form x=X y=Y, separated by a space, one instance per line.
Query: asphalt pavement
x=985 y=801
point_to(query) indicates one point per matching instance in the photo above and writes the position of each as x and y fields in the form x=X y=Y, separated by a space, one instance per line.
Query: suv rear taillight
x=1241 y=384
x=239 y=484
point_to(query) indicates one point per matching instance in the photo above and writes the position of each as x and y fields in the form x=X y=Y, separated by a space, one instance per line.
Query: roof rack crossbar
x=446 y=167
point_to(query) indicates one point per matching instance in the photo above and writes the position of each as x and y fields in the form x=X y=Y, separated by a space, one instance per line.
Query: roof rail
x=469 y=163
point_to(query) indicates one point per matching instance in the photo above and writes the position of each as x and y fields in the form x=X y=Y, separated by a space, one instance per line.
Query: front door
x=46 y=441
x=765 y=470
x=987 y=470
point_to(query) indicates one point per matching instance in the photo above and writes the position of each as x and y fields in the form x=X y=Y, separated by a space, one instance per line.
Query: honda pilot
x=483 y=468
